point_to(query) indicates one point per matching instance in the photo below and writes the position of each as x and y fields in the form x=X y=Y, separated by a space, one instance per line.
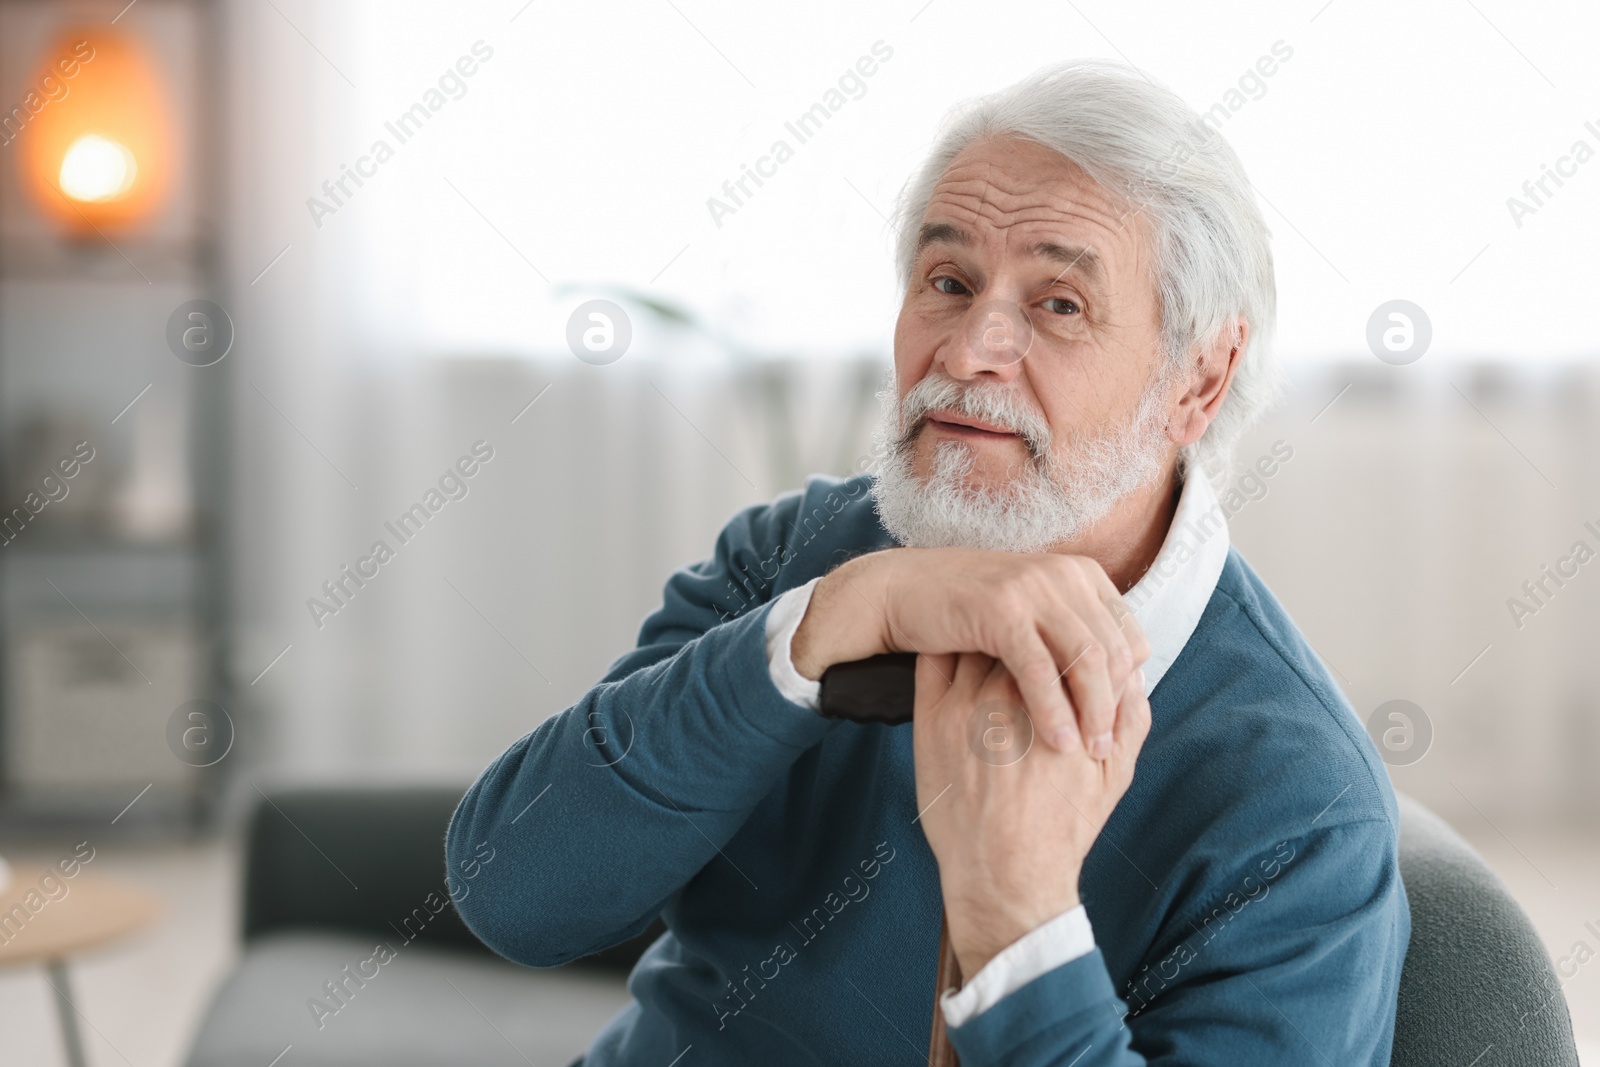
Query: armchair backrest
x=1477 y=987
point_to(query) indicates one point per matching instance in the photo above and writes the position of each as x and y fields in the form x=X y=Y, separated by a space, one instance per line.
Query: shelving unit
x=113 y=598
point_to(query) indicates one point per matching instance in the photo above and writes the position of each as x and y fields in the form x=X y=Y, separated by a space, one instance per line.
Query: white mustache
x=992 y=404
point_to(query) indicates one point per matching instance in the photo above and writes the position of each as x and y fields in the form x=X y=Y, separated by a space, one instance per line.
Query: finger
x=1085 y=675
x=972 y=671
x=998 y=682
x=1116 y=628
x=1120 y=661
x=933 y=676
x=938 y=725
x=1033 y=666
x=948 y=677
x=1127 y=624
x=1089 y=682
x=967 y=691
x=1133 y=718
x=1000 y=688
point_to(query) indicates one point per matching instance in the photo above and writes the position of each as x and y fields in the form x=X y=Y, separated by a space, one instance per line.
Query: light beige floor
x=142 y=999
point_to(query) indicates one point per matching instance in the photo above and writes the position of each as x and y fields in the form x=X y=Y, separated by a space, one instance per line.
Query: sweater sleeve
x=607 y=809
x=1295 y=958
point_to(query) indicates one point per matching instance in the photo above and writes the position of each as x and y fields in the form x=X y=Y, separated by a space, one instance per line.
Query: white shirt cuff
x=1039 y=951
x=782 y=621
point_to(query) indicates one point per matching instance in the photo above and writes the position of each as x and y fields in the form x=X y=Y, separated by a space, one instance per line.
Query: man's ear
x=1211 y=373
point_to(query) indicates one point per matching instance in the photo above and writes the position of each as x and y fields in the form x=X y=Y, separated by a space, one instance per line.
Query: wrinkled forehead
x=1016 y=198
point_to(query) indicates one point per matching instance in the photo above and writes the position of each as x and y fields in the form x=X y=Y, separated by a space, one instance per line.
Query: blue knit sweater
x=1245 y=894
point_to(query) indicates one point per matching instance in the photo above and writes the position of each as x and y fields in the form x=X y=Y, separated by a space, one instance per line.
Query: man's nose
x=991 y=340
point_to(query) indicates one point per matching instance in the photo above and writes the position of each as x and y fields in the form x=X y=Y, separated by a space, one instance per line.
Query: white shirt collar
x=1169 y=599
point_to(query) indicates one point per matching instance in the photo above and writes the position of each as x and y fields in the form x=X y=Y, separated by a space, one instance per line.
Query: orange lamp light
x=97 y=152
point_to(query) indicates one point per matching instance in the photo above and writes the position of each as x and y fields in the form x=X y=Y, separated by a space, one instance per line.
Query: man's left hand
x=1009 y=819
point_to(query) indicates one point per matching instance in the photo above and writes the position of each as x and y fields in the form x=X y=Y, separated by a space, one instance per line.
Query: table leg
x=70 y=1035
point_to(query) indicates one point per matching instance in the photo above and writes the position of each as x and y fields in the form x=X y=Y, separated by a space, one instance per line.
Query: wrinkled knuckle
x=1093 y=657
x=1036 y=672
x=1011 y=596
x=1018 y=635
x=1083 y=581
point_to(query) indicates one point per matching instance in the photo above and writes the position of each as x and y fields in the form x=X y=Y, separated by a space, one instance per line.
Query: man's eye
x=1066 y=307
x=959 y=290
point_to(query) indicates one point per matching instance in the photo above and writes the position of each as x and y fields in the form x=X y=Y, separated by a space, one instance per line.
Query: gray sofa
x=331 y=872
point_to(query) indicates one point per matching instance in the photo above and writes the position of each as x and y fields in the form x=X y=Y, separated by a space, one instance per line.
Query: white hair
x=1211 y=257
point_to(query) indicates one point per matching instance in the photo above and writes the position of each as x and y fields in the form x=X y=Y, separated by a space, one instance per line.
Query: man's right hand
x=1056 y=622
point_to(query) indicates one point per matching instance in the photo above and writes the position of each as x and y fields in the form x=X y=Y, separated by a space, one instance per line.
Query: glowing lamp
x=97 y=169
x=97 y=148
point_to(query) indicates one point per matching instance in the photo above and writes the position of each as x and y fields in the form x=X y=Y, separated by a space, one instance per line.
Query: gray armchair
x=1478 y=988
x=331 y=872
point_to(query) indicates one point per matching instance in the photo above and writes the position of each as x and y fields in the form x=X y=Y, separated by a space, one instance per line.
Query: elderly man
x=1146 y=821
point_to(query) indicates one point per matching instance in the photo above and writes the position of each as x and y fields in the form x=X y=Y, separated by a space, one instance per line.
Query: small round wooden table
x=93 y=912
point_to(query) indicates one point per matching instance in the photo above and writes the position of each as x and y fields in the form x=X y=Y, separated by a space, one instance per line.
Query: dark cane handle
x=878 y=689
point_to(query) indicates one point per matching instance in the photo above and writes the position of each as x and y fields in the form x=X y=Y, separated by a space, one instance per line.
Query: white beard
x=1047 y=501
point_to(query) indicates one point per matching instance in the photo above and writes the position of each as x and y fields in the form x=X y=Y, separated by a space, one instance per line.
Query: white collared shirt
x=1167 y=602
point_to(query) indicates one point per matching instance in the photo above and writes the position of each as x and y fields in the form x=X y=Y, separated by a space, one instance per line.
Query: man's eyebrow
x=1080 y=257
x=941 y=233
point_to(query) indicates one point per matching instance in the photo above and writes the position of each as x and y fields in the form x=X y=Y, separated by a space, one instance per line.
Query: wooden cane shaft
x=940 y=1052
